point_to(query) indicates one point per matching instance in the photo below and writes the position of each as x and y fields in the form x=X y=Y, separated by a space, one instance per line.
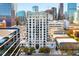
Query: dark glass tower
x=54 y=9
x=60 y=11
x=7 y=10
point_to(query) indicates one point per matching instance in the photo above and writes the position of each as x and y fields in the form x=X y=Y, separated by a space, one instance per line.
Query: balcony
x=4 y=48
x=3 y=40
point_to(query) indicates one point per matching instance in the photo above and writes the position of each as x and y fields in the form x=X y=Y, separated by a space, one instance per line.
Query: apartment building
x=37 y=29
x=9 y=41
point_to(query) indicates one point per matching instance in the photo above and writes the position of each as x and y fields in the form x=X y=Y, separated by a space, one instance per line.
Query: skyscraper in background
x=35 y=8
x=71 y=8
x=7 y=10
x=60 y=11
x=22 y=16
x=54 y=10
x=76 y=17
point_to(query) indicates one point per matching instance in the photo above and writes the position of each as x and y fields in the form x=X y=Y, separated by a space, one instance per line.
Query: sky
x=42 y=6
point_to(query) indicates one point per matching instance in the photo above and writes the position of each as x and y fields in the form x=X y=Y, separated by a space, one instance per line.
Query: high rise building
x=37 y=29
x=60 y=11
x=7 y=10
x=9 y=41
x=76 y=17
x=71 y=8
x=54 y=11
x=65 y=15
x=35 y=8
x=22 y=17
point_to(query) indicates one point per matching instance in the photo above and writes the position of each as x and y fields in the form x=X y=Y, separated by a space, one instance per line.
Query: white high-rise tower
x=37 y=29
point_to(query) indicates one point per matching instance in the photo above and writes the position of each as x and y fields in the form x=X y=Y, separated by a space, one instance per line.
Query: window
x=43 y=16
x=36 y=17
x=30 y=36
x=30 y=16
x=44 y=38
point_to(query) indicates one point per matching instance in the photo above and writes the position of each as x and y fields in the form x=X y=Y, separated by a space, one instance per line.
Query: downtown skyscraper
x=60 y=11
x=54 y=11
x=37 y=28
x=71 y=9
x=21 y=15
x=7 y=11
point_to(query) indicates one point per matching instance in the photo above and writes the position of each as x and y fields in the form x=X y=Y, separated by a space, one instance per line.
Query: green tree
x=44 y=50
x=21 y=48
x=25 y=49
x=41 y=50
x=32 y=49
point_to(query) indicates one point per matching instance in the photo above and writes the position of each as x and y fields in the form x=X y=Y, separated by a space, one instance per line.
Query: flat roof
x=5 y=32
x=60 y=40
x=60 y=35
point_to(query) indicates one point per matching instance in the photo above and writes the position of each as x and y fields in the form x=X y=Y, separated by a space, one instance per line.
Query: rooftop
x=60 y=35
x=5 y=32
x=65 y=40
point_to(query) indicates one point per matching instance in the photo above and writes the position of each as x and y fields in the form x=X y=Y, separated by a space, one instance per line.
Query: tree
x=47 y=50
x=25 y=49
x=44 y=50
x=41 y=50
x=32 y=49
x=21 y=48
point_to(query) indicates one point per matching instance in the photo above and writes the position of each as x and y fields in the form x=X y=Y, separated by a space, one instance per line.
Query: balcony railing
x=10 y=47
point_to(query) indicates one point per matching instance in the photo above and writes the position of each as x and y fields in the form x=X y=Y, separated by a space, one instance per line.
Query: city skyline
x=42 y=6
x=39 y=29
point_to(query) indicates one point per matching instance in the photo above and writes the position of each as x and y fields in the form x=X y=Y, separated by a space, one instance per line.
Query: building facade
x=22 y=17
x=54 y=10
x=7 y=10
x=76 y=17
x=57 y=26
x=71 y=8
x=35 y=8
x=60 y=11
x=9 y=41
x=37 y=29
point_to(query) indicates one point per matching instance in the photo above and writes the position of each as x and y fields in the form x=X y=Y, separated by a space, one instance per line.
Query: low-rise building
x=67 y=46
